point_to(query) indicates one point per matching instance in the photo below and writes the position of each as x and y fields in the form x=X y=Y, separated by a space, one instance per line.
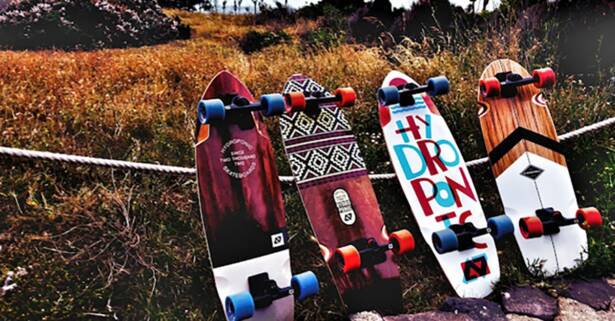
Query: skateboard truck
x=403 y=94
x=300 y=101
x=459 y=237
x=505 y=83
x=548 y=221
x=263 y=291
x=364 y=253
x=272 y=104
x=216 y=109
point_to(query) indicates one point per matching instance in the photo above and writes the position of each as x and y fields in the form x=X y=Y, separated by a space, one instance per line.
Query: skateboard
x=530 y=170
x=241 y=204
x=437 y=185
x=339 y=199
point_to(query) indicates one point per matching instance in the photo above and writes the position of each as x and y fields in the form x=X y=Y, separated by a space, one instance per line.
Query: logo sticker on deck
x=277 y=240
x=475 y=268
x=238 y=158
x=532 y=172
x=344 y=206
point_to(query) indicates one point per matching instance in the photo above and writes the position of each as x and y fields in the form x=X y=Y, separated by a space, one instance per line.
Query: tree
x=255 y=2
x=186 y=4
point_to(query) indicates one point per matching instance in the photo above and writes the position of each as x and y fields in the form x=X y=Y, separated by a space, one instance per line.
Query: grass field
x=99 y=243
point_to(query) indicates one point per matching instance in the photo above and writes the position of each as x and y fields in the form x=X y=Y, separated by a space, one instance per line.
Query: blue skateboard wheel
x=305 y=285
x=239 y=306
x=500 y=226
x=445 y=241
x=437 y=86
x=388 y=95
x=273 y=104
x=210 y=110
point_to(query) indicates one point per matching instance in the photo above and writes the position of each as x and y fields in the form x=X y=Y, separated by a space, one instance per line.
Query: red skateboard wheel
x=403 y=242
x=349 y=258
x=295 y=101
x=346 y=97
x=545 y=77
x=589 y=217
x=531 y=227
x=490 y=87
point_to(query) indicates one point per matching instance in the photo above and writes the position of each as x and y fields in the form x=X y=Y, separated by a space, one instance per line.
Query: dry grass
x=217 y=29
x=130 y=244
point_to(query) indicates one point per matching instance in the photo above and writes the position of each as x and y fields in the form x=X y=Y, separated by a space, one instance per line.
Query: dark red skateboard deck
x=240 y=200
x=339 y=199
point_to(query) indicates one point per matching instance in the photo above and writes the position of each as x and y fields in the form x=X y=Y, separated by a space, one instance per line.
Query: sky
x=395 y=3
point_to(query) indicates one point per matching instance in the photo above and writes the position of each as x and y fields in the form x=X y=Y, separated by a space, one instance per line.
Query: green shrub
x=255 y=40
x=331 y=31
x=86 y=25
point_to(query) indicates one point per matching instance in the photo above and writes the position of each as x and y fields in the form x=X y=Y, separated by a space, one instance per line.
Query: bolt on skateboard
x=241 y=204
x=339 y=199
x=530 y=169
x=437 y=185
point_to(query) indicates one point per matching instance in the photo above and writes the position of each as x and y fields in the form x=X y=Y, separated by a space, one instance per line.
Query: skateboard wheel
x=500 y=226
x=345 y=97
x=403 y=242
x=239 y=306
x=531 y=227
x=273 y=104
x=490 y=87
x=589 y=217
x=305 y=285
x=388 y=95
x=349 y=258
x=437 y=86
x=445 y=241
x=295 y=101
x=545 y=77
x=210 y=110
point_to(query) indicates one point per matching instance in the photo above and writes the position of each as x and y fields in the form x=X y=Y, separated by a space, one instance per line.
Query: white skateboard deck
x=439 y=189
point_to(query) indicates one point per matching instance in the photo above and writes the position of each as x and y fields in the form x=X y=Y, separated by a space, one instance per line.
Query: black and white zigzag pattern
x=329 y=159
x=305 y=85
x=295 y=125
x=316 y=163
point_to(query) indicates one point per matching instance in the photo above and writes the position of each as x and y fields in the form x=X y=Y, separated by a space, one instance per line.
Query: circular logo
x=540 y=100
x=238 y=158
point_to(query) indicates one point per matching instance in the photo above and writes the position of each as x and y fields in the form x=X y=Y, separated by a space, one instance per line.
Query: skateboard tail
x=549 y=254
x=233 y=278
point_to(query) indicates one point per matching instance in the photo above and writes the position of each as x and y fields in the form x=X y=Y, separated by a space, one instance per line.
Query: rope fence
x=175 y=170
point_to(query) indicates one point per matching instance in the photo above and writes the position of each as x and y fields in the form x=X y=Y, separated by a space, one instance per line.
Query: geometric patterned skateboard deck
x=438 y=187
x=531 y=175
x=241 y=201
x=338 y=198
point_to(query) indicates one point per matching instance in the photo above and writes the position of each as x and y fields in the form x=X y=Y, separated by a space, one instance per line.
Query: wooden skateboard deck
x=339 y=199
x=438 y=187
x=531 y=174
x=241 y=201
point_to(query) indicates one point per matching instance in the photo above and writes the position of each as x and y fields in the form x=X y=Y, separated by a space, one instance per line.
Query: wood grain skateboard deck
x=438 y=187
x=339 y=199
x=241 y=202
x=530 y=170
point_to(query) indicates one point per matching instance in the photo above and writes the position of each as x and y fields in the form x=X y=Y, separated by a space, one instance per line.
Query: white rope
x=82 y=160
x=588 y=128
